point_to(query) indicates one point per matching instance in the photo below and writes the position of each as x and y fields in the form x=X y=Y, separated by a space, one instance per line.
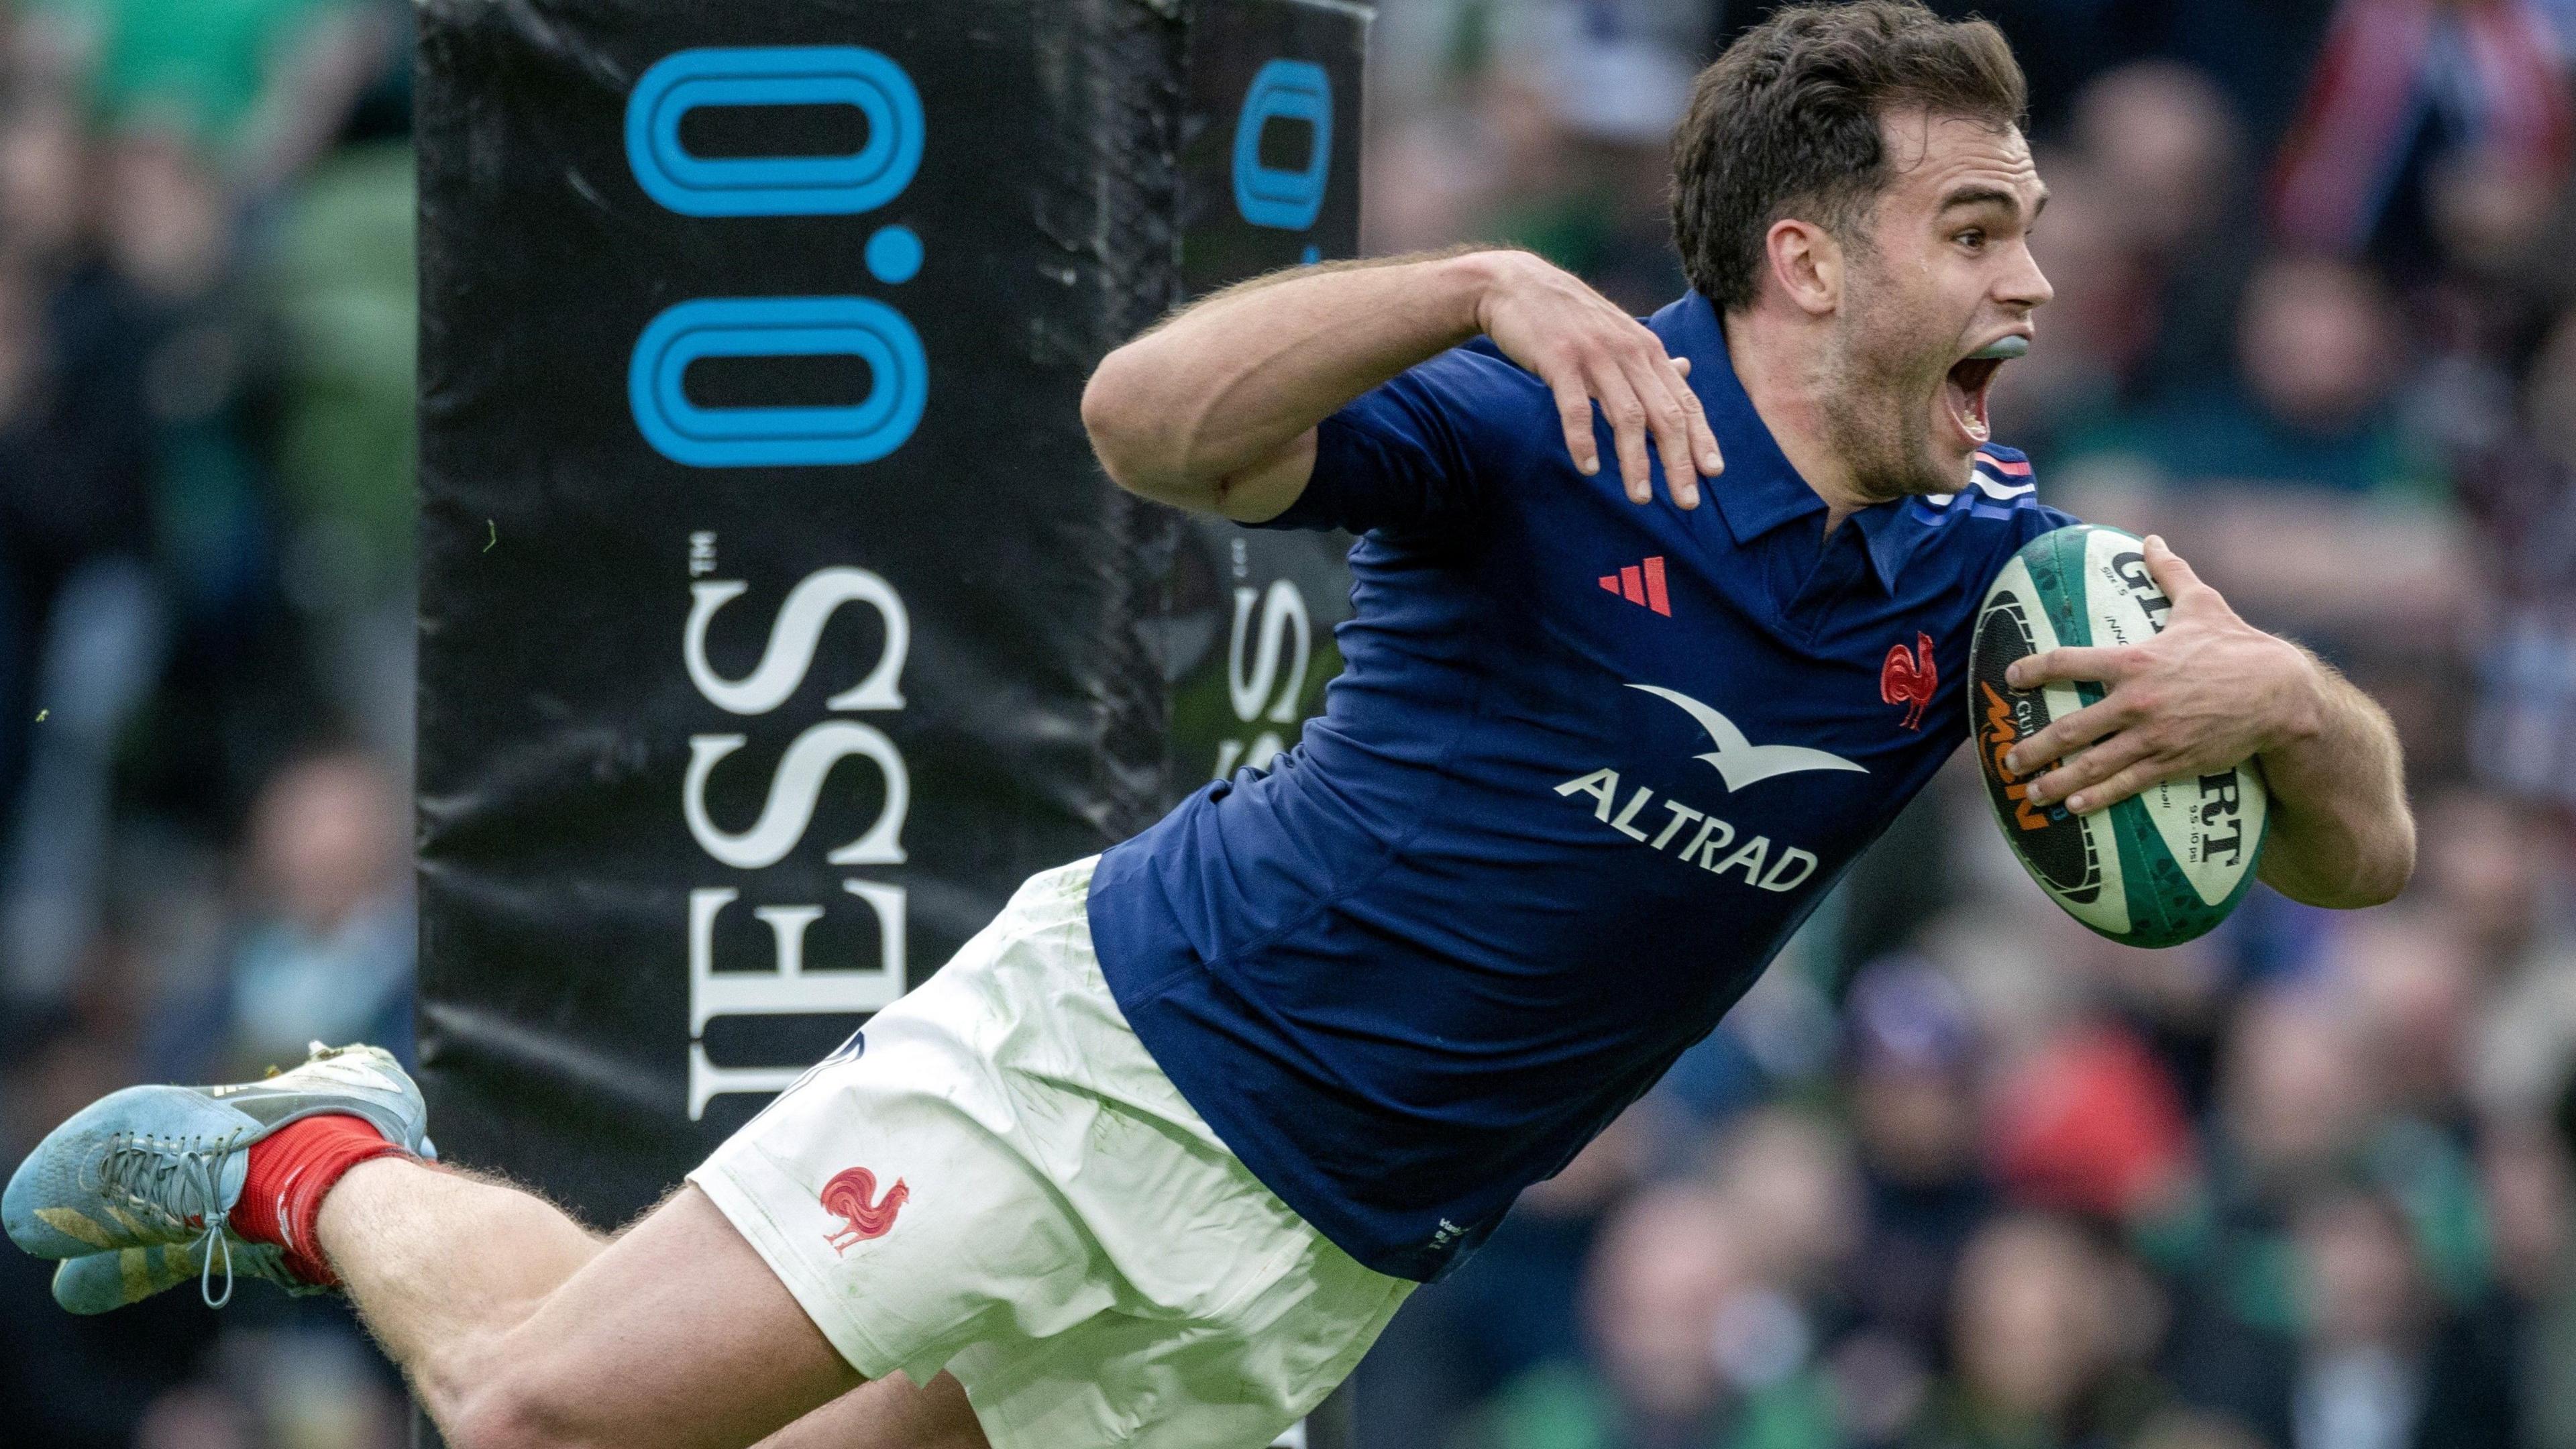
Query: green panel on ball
x=2057 y=568
x=2164 y=909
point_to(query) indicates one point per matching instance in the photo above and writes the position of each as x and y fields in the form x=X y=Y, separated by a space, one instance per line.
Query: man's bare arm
x=2341 y=831
x=1215 y=410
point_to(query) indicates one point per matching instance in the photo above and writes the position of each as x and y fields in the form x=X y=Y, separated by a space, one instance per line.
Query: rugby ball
x=2156 y=869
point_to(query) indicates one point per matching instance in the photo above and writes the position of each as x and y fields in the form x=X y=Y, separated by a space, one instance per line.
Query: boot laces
x=180 y=1182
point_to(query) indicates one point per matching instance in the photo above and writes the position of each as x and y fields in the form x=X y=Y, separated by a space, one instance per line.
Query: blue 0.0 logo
x=747 y=186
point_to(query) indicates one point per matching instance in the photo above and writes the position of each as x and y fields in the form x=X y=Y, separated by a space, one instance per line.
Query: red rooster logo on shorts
x=1910 y=678
x=846 y=1197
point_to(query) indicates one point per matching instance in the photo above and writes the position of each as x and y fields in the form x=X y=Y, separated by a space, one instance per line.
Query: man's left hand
x=2208 y=692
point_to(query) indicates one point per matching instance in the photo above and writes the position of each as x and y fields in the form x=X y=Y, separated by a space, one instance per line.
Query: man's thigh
x=678 y=1336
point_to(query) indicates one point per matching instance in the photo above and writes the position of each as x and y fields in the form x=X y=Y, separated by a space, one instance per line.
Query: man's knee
x=526 y=1404
x=517 y=1409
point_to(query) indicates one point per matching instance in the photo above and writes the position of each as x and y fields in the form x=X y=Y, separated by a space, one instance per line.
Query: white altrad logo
x=1740 y=761
x=1688 y=833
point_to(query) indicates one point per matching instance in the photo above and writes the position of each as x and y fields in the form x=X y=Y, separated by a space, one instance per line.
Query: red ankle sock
x=290 y=1170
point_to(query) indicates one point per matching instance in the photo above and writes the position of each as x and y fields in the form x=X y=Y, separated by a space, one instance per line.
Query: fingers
x=1642 y=393
x=2169 y=571
x=2065 y=666
x=1574 y=411
x=2090 y=768
x=2064 y=737
x=1627 y=414
x=1703 y=438
x=2129 y=781
x=1669 y=422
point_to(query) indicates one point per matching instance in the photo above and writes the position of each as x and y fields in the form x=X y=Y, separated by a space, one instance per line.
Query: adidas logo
x=1642 y=583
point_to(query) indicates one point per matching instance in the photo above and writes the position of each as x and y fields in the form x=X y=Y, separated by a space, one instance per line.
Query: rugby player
x=1154 y=1158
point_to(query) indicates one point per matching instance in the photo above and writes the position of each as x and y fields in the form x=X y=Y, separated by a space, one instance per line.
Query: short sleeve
x=1403 y=456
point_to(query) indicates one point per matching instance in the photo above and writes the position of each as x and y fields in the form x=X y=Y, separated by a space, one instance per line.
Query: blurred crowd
x=206 y=379
x=1959 y=1174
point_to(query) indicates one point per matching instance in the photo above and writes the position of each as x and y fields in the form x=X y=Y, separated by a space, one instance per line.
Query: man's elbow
x=2388 y=872
x=1122 y=433
x=2375 y=878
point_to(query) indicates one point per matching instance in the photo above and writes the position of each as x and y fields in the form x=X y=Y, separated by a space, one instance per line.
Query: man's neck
x=1780 y=360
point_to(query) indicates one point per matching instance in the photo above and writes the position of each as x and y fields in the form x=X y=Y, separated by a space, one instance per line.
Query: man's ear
x=1807 y=264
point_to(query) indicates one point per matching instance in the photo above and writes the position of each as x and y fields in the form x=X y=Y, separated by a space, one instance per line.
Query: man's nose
x=2023 y=284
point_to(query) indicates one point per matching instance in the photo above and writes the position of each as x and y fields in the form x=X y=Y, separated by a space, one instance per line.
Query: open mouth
x=1970 y=378
x=1965 y=390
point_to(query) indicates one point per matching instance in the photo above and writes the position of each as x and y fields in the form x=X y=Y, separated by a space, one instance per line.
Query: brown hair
x=1787 y=122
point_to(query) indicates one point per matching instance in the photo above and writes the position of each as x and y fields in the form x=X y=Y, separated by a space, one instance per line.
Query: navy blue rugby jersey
x=1587 y=766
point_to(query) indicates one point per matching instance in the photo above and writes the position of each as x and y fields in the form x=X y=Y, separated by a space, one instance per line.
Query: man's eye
x=1972 y=239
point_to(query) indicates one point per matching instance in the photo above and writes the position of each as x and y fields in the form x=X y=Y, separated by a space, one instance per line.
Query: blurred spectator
x=1913 y=1061
x=2521 y=490
x=42 y=206
x=2401 y=80
x=1666 y=1270
x=2498 y=878
x=265 y=82
x=325 y=951
x=2170 y=138
x=2410 y=976
x=170 y=236
x=82 y=605
x=1580 y=114
x=2166 y=131
x=2094 y=332
x=2382 y=1364
x=340 y=279
x=197 y=1416
x=2318 y=352
x=1696 y=1347
x=1792 y=1192
x=203 y=294
x=1504 y=1330
x=2092 y=1123
x=2360 y=1374
x=2498 y=223
x=2310 y=1105
x=2045 y=1344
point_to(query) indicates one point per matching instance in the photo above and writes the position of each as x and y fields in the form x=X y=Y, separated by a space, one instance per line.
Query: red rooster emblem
x=846 y=1197
x=1910 y=678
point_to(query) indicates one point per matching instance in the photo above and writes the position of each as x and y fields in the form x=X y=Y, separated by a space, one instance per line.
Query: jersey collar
x=1760 y=490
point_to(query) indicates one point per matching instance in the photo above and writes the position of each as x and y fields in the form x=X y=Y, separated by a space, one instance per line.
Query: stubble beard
x=1878 y=399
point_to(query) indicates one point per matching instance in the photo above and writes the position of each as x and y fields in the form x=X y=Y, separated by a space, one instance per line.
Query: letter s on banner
x=793 y=637
x=794 y=790
x=1283 y=617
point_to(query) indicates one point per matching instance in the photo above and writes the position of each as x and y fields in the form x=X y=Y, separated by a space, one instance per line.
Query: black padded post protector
x=775 y=618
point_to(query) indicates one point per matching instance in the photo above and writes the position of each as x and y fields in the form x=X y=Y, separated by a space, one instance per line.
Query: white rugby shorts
x=1003 y=1184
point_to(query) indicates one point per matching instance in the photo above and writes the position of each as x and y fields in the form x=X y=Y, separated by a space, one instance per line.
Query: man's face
x=1943 y=271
